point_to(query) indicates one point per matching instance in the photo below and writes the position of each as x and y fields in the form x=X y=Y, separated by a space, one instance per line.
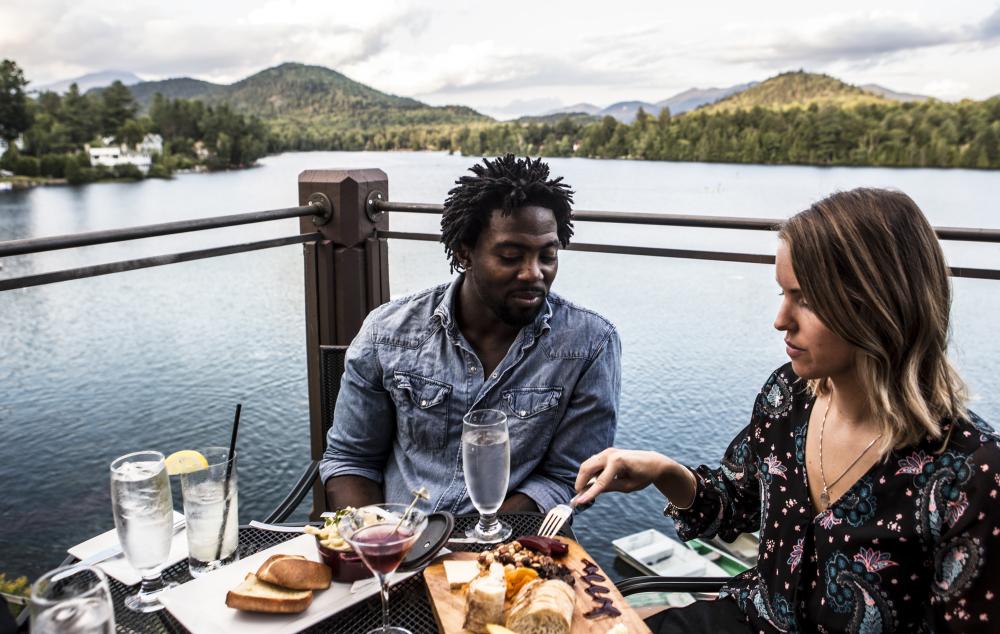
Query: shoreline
x=18 y=183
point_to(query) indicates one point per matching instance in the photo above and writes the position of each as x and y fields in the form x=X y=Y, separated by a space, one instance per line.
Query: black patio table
x=410 y=606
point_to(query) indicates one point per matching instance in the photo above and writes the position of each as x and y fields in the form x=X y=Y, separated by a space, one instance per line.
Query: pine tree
x=15 y=117
x=117 y=106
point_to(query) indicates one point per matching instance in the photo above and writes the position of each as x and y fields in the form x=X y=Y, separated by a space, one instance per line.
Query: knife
x=103 y=555
x=277 y=528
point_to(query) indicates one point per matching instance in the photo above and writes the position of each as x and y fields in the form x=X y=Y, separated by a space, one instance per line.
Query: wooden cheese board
x=449 y=605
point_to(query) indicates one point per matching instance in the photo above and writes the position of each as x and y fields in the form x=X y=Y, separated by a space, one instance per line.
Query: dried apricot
x=516 y=579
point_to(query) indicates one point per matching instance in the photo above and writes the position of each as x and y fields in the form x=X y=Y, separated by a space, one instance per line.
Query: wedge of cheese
x=459 y=573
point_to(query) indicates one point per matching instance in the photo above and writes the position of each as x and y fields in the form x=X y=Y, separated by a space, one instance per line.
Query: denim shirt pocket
x=530 y=411
x=422 y=409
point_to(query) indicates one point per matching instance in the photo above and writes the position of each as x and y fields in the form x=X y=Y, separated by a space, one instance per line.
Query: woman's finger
x=602 y=482
x=590 y=468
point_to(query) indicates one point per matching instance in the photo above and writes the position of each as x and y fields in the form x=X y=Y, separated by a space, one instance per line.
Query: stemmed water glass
x=486 y=464
x=72 y=600
x=143 y=509
x=382 y=534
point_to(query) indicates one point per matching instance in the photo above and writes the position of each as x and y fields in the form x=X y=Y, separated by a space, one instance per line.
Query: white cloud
x=946 y=89
x=521 y=51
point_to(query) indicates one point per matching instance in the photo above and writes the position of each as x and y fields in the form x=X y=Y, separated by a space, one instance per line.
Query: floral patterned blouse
x=912 y=546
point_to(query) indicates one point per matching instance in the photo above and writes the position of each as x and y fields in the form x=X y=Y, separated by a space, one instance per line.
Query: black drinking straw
x=225 y=486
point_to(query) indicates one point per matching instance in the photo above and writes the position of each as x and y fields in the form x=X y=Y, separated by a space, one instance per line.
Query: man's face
x=514 y=262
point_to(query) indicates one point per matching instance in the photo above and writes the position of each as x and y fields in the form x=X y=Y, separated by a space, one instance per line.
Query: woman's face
x=816 y=351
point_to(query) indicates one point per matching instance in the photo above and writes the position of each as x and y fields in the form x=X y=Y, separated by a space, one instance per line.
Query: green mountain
x=796 y=89
x=310 y=101
x=578 y=118
x=177 y=88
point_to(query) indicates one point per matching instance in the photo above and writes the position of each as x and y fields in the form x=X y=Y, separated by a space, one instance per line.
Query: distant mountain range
x=814 y=88
x=293 y=94
x=89 y=81
x=625 y=111
x=892 y=94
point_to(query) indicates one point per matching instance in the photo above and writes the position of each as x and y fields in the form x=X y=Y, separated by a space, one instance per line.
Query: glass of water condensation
x=486 y=464
x=209 y=495
x=140 y=498
x=78 y=603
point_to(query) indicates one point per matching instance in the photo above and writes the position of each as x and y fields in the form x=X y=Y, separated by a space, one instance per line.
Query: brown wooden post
x=346 y=275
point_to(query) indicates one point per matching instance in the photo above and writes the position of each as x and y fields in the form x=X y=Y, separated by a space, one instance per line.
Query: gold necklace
x=824 y=496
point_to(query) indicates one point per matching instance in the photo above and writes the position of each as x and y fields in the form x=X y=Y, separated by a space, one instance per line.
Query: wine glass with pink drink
x=382 y=534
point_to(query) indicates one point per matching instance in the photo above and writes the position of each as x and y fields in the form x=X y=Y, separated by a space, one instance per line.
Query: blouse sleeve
x=727 y=500
x=965 y=593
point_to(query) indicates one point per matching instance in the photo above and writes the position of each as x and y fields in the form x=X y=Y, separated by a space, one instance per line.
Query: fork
x=554 y=520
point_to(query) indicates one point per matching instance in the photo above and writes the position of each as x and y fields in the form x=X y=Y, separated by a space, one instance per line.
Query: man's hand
x=518 y=503
x=353 y=491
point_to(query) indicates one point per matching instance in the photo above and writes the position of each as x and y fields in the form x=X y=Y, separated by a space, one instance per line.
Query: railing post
x=346 y=274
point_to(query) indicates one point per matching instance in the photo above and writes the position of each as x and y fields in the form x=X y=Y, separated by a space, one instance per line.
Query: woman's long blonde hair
x=870 y=266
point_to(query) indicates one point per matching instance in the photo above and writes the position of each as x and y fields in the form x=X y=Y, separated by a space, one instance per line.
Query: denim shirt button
x=524 y=412
x=423 y=403
x=494 y=375
x=472 y=369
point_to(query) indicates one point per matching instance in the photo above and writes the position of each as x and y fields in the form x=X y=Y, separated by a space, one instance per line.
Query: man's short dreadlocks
x=504 y=183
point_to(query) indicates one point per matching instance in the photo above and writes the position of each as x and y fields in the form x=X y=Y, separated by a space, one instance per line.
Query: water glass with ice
x=211 y=510
x=72 y=600
x=486 y=465
x=143 y=510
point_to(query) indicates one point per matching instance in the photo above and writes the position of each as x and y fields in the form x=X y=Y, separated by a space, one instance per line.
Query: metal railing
x=965 y=234
x=69 y=241
x=344 y=230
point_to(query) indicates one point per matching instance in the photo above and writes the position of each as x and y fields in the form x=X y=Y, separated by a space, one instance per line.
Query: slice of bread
x=295 y=572
x=542 y=607
x=254 y=595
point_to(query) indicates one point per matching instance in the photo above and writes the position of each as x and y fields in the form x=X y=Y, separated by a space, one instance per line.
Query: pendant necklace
x=824 y=496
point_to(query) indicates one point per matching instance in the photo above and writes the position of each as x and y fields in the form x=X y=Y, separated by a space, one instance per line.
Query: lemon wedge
x=185 y=461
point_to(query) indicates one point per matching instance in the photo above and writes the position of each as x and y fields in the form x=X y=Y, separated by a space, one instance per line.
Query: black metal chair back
x=331 y=369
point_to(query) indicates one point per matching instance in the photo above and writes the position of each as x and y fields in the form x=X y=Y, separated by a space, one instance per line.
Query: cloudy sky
x=519 y=57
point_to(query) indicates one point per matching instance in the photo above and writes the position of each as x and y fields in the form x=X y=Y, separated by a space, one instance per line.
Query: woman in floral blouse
x=874 y=489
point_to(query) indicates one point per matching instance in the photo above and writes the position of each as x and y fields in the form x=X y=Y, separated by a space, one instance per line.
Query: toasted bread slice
x=254 y=595
x=295 y=572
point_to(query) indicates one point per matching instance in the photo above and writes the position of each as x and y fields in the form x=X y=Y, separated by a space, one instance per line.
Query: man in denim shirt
x=495 y=337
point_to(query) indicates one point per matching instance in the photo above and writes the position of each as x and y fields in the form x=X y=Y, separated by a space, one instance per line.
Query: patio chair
x=637 y=585
x=331 y=368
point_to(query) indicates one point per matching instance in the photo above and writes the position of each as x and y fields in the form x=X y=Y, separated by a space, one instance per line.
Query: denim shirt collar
x=445 y=312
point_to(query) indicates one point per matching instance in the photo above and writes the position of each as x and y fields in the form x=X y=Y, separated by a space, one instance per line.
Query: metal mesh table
x=410 y=606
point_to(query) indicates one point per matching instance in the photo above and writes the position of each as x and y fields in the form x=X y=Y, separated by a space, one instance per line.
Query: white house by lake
x=4 y=145
x=141 y=156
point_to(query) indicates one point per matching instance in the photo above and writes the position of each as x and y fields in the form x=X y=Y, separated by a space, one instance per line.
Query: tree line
x=913 y=134
x=54 y=130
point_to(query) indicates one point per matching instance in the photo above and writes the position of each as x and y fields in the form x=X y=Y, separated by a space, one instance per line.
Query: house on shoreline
x=19 y=143
x=141 y=155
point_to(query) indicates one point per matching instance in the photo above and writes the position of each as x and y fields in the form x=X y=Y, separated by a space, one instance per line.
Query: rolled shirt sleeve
x=587 y=427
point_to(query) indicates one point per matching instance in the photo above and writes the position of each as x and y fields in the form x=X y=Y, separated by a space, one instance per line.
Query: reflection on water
x=95 y=368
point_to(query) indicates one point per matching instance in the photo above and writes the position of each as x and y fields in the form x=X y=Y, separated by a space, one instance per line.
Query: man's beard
x=516 y=318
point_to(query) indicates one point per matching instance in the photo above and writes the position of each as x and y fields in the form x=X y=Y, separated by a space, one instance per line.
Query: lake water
x=95 y=368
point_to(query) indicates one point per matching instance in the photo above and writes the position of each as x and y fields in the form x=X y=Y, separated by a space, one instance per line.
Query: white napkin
x=117 y=566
